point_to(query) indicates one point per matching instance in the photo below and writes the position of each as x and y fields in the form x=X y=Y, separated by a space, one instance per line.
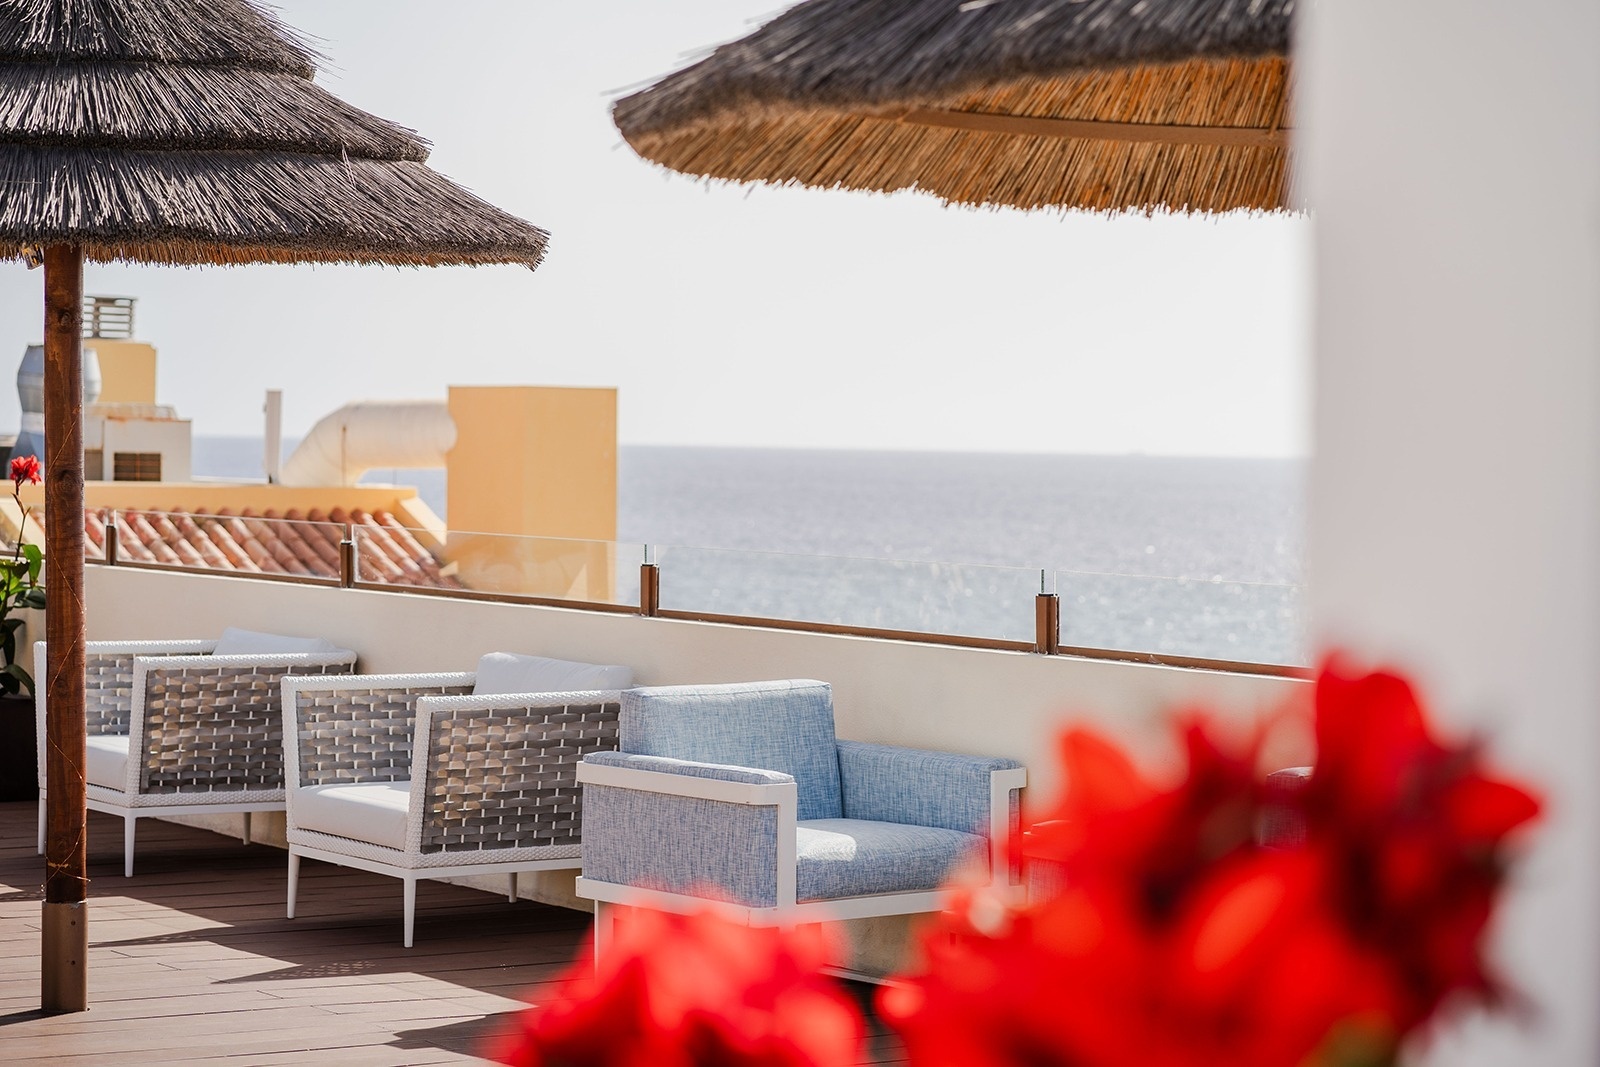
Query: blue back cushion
x=775 y=726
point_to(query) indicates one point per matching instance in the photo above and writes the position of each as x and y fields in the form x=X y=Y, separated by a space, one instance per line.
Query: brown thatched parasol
x=180 y=131
x=1108 y=105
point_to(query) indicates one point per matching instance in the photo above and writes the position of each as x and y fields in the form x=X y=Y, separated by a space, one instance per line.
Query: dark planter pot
x=19 y=750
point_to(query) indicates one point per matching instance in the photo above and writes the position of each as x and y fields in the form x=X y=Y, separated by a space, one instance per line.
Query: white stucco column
x=1452 y=155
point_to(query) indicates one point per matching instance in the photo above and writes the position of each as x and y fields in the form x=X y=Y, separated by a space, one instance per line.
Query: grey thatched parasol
x=187 y=132
x=1107 y=105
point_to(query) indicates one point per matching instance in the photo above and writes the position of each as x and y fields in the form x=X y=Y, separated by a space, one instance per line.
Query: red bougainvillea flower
x=1115 y=828
x=1414 y=831
x=1175 y=942
x=1253 y=973
x=25 y=469
x=688 y=991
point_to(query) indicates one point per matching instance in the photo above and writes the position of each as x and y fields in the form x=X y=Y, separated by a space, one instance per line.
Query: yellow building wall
x=127 y=370
x=536 y=465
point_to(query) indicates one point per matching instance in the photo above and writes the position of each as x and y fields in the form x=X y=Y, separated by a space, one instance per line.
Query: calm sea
x=1186 y=556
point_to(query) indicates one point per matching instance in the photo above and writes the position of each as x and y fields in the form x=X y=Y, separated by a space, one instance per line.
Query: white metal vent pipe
x=343 y=446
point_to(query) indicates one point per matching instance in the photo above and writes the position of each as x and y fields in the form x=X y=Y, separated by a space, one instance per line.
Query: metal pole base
x=64 y=975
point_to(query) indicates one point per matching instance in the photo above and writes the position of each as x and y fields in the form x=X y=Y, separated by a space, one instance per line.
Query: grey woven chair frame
x=497 y=792
x=206 y=731
x=531 y=753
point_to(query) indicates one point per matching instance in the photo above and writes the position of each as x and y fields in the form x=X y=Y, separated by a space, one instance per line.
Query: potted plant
x=20 y=589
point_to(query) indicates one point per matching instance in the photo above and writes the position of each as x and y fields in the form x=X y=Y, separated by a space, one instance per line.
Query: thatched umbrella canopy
x=180 y=131
x=184 y=131
x=1108 y=105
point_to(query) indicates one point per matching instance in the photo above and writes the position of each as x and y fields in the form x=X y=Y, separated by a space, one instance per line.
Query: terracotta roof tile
x=291 y=543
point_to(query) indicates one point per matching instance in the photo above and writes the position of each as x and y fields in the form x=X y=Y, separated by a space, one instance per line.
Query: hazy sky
x=725 y=315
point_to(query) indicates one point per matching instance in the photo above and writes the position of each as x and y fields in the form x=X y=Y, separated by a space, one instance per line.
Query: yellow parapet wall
x=537 y=465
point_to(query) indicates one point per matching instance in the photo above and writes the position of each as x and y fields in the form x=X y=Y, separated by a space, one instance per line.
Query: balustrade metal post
x=649 y=589
x=347 y=558
x=1047 y=624
x=112 y=547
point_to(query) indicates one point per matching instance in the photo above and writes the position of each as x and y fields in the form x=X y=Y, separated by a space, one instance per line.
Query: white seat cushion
x=237 y=642
x=107 y=763
x=506 y=672
x=374 y=812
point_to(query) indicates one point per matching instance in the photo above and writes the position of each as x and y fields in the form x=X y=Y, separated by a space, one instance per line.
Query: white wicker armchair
x=174 y=729
x=413 y=776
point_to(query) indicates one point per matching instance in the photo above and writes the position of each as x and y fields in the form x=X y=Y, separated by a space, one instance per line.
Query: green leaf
x=35 y=557
x=1357 y=1043
x=14 y=677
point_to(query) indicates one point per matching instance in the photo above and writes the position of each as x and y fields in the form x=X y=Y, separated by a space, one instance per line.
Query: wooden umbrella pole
x=65 y=950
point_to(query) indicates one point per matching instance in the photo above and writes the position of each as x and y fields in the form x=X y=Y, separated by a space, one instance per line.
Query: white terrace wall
x=894 y=692
x=1453 y=164
x=965 y=700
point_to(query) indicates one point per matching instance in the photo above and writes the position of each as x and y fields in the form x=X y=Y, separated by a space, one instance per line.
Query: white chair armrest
x=148 y=648
x=261 y=659
x=507 y=701
x=302 y=683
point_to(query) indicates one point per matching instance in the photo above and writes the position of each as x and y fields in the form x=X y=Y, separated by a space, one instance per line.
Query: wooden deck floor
x=192 y=961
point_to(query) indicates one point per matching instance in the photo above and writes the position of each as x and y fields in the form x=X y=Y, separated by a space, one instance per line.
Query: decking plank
x=192 y=960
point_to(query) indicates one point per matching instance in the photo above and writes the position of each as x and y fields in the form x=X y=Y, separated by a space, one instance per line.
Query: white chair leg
x=411 y=909
x=511 y=887
x=294 y=879
x=603 y=931
x=128 y=824
x=41 y=822
x=247 y=827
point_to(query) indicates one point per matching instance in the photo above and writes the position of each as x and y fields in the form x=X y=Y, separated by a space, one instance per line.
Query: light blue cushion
x=886 y=783
x=781 y=726
x=852 y=857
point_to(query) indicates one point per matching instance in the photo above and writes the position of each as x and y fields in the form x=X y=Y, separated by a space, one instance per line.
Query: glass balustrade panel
x=1241 y=622
x=555 y=568
x=219 y=542
x=958 y=599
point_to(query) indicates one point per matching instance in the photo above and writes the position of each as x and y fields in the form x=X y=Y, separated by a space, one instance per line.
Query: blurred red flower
x=25 y=469
x=1116 y=830
x=690 y=991
x=1176 y=942
x=1179 y=941
x=1414 y=832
